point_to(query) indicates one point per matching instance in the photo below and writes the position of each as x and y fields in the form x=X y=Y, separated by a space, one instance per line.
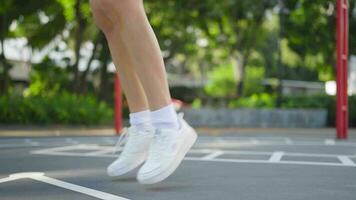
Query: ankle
x=165 y=118
x=141 y=120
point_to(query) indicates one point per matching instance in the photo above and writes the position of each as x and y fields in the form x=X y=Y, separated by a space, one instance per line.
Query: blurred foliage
x=222 y=81
x=267 y=101
x=196 y=103
x=195 y=36
x=262 y=100
x=64 y=108
x=253 y=80
x=319 y=101
x=47 y=79
x=232 y=45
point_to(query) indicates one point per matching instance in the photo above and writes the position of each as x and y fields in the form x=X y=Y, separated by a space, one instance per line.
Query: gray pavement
x=248 y=166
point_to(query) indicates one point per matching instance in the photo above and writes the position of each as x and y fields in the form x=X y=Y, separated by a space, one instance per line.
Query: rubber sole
x=117 y=173
x=189 y=141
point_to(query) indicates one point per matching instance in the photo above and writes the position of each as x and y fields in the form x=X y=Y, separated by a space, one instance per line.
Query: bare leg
x=131 y=24
x=132 y=87
x=128 y=21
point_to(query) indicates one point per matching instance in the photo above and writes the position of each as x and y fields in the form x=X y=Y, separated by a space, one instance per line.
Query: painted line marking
x=70 y=140
x=109 y=141
x=31 y=142
x=276 y=156
x=227 y=144
x=76 y=154
x=17 y=145
x=39 y=176
x=268 y=162
x=91 y=147
x=255 y=141
x=329 y=142
x=101 y=152
x=77 y=188
x=205 y=151
x=8 y=179
x=288 y=141
x=68 y=148
x=213 y=155
x=346 y=161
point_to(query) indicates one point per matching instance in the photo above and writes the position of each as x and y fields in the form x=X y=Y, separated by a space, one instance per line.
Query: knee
x=100 y=18
x=119 y=10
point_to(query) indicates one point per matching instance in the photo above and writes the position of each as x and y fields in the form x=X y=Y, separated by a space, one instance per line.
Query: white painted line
x=311 y=155
x=329 y=142
x=17 y=145
x=346 y=161
x=228 y=144
x=268 y=162
x=7 y=179
x=247 y=152
x=77 y=188
x=75 y=154
x=202 y=150
x=213 y=155
x=276 y=156
x=67 y=148
x=31 y=142
x=288 y=141
x=38 y=176
x=213 y=160
x=101 y=152
x=109 y=141
x=254 y=141
x=63 y=148
x=70 y=140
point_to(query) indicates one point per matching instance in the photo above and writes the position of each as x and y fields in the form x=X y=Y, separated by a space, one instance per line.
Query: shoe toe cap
x=117 y=168
x=148 y=171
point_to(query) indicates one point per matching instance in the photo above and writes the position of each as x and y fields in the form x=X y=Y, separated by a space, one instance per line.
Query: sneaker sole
x=189 y=141
x=117 y=173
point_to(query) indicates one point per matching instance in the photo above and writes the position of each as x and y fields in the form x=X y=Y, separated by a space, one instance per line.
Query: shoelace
x=158 y=146
x=160 y=141
x=122 y=140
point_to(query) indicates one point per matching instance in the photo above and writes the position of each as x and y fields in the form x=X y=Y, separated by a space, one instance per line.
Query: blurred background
x=263 y=59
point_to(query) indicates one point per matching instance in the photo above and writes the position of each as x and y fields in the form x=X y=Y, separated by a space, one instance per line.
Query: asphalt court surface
x=230 y=166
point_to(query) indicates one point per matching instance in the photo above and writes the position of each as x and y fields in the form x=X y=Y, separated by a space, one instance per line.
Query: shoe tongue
x=149 y=130
x=165 y=131
x=146 y=129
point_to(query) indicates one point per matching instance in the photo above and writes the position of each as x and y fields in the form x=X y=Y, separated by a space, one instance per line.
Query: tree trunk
x=81 y=23
x=240 y=74
x=4 y=71
x=104 y=75
x=4 y=65
x=83 y=80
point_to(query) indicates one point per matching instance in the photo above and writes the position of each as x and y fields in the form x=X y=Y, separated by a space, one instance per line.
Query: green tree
x=310 y=28
x=238 y=26
x=11 y=11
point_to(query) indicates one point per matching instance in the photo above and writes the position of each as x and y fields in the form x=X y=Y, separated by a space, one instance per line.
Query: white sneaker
x=134 y=152
x=166 y=152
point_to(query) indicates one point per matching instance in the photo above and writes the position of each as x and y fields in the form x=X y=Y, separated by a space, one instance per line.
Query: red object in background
x=178 y=104
x=342 y=31
x=118 y=105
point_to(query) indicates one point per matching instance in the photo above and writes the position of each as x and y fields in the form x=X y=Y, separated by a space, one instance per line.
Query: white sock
x=165 y=117
x=141 y=120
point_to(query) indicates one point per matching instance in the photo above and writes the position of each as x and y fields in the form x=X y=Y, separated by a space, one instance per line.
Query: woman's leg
x=135 y=95
x=141 y=131
x=131 y=33
x=129 y=21
x=131 y=24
